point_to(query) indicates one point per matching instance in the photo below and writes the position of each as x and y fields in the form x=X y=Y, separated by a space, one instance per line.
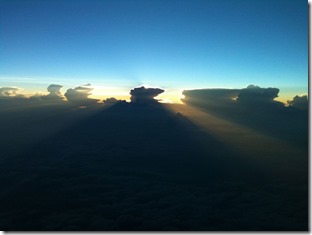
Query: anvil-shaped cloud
x=144 y=95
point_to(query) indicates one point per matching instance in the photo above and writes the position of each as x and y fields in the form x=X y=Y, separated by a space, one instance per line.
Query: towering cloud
x=55 y=94
x=80 y=95
x=144 y=95
x=55 y=89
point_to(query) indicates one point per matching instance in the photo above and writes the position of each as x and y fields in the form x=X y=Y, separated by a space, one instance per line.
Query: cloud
x=210 y=97
x=250 y=97
x=8 y=91
x=254 y=107
x=55 y=94
x=80 y=94
x=255 y=94
x=10 y=98
x=54 y=89
x=143 y=95
x=300 y=102
x=112 y=101
x=131 y=171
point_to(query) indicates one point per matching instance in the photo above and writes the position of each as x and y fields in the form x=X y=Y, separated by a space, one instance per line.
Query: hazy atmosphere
x=154 y=115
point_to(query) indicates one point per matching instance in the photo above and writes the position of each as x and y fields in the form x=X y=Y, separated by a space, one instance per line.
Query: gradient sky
x=172 y=44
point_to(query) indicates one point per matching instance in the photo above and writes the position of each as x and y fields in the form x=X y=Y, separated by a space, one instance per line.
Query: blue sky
x=173 y=44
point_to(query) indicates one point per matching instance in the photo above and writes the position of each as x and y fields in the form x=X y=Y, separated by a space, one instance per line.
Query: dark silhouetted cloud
x=141 y=171
x=80 y=95
x=257 y=95
x=143 y=95
x=252 y=96
x=210 y=97
x=111 y=101
x=300 y=102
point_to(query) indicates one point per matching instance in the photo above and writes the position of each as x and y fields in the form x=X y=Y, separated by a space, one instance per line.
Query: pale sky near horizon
x=172 y=44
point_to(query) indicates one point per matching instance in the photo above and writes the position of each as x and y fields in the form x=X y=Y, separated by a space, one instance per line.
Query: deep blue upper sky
x=180 y=44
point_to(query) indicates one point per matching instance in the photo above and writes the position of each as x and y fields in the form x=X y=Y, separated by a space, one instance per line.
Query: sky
x=171 y=44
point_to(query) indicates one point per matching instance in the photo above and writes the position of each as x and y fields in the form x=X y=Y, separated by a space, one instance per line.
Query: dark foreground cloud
x=142 y=171
x=144 y=95
x=80 y=95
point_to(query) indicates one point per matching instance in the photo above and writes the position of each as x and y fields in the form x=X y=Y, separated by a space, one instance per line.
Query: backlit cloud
x=253 y=94
x=80 y=95
x=300 y=102
x=143 y=95
x=8 y=91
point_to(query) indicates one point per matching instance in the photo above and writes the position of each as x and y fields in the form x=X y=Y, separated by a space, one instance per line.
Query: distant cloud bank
x=251 y=96
x=257 y=108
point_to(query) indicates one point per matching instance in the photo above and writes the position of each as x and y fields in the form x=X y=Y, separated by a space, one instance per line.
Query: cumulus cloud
x=80 y=95
x=300 y=102
x=210 y=97
x=8 y=91
x=143 y=95
x=55 y=94
x=10 y=98
x=250 y=97
x=54 y=89
x=255 y=94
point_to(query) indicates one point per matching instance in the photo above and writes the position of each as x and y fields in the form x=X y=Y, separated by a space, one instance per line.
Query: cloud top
x=143 y=95
x=256 y=94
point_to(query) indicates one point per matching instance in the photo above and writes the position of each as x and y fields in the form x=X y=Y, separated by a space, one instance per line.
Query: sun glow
x=104 y=92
